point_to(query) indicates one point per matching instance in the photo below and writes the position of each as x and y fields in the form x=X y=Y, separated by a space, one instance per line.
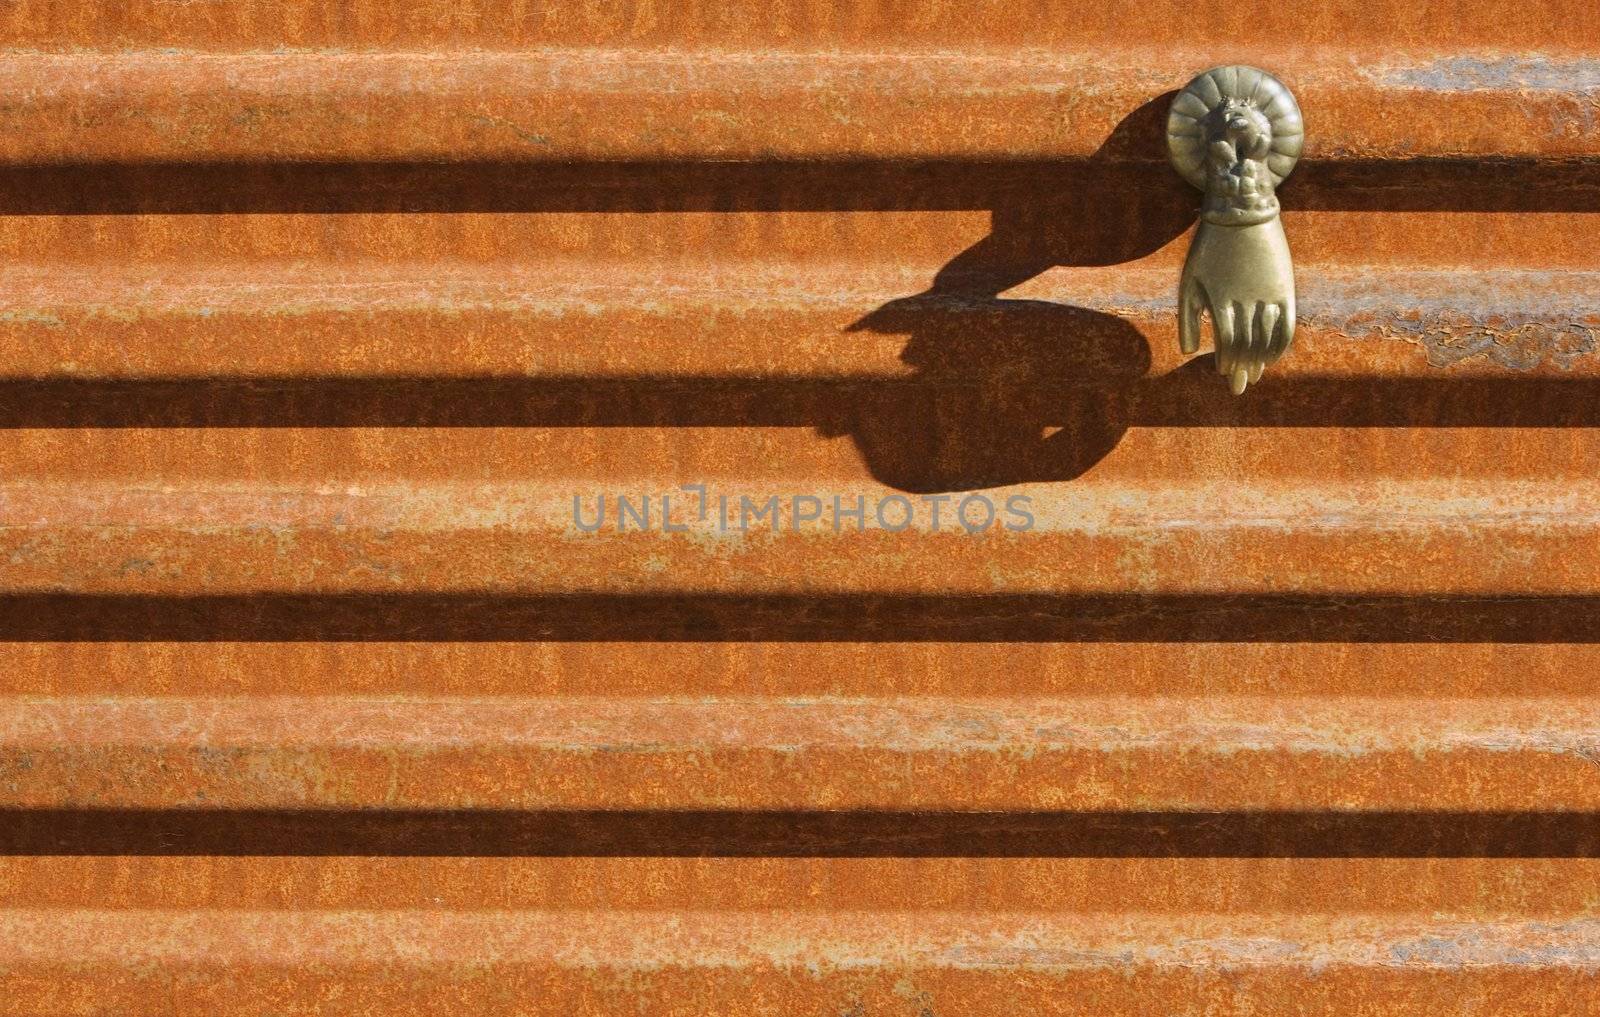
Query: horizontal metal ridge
x=707 y=941
x=760 y=104
x=778 y=961
x=1245 y=34
x=797 y=536
x=779 y=672
x=1250 y=35
x=1478 y=866
x=608 y=321
x=924 y=753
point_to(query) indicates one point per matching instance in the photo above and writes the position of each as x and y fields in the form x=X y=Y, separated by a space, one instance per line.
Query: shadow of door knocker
x=1236 y=133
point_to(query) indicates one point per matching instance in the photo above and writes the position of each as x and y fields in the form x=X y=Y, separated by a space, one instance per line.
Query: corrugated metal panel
x=314 y=697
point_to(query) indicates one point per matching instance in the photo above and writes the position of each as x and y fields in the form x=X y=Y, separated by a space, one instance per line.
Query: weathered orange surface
x=927 y=753
x=769 y=103
x=1553 y=25
x=314 y=319
x=771 y=960
x=572 y=320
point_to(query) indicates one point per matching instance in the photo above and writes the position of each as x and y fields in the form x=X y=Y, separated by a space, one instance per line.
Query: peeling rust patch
x=1512 y=72
x=1514 y=343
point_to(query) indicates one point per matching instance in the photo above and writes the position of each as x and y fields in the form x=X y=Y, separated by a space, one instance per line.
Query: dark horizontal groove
x=803 y=834
x=1125 y=175
x=880 y=413
x=820 y=618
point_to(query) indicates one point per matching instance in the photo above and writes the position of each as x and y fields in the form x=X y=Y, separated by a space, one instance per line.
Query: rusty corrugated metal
x=315 y=698
x=716 y=104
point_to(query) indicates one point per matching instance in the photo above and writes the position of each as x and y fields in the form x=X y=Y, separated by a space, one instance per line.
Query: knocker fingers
x=1271 y=318
x=1243 y=359
x=1190 y=304
x=1283 y=334
x=1248 y=336
x=1231 y=324
x=1222 y=334
x=1259 y=337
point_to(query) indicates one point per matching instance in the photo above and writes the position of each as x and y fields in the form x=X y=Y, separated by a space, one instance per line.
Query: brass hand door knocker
x=1235 y=133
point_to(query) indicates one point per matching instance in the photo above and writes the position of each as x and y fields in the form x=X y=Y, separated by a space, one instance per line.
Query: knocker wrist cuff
x=1226 y=212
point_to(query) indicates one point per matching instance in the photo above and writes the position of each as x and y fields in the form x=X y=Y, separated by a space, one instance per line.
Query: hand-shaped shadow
x=994 y=376
x=991 y=376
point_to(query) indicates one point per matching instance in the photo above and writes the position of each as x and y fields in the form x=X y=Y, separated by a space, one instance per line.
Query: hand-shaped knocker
x=1235 y=133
